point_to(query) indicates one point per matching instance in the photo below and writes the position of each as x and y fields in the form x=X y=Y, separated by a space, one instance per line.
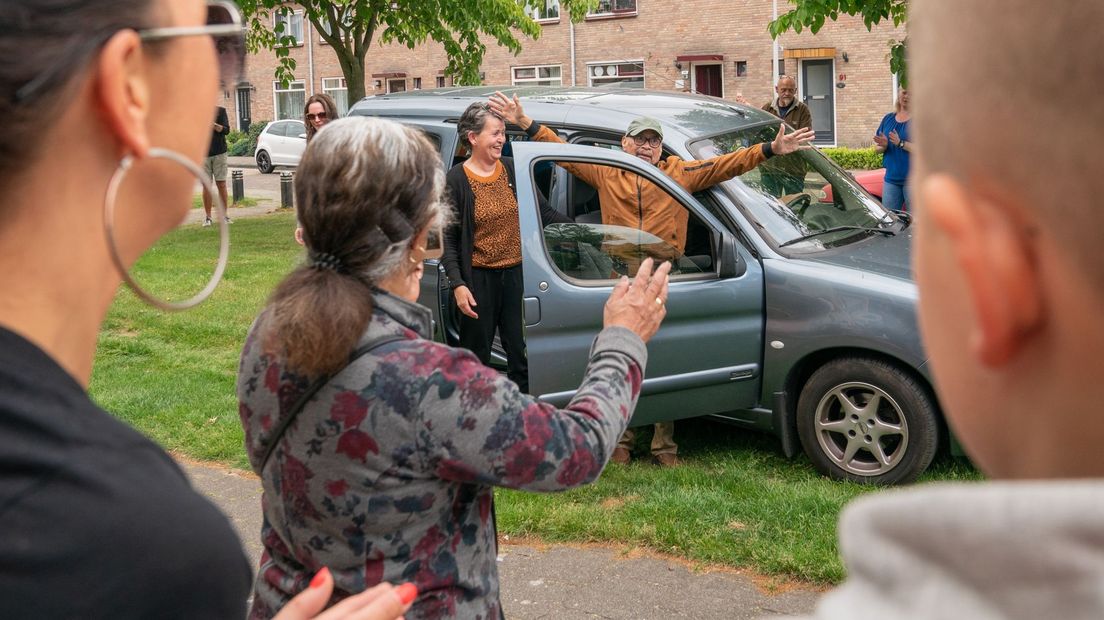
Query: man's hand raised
x=785 y=143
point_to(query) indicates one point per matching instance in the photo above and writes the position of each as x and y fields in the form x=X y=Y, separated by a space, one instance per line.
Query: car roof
x=603 y=108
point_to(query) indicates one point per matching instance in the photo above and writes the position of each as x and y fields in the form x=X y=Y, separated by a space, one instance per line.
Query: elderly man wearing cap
x=628 y=202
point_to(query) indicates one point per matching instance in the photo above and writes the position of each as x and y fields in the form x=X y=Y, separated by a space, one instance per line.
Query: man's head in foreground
x=1009 y=255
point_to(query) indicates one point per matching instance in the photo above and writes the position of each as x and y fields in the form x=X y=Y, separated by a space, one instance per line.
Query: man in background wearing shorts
x=215 y=164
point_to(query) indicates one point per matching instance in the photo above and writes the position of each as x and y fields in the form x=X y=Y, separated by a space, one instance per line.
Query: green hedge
x=854 y=159
x=246 y=142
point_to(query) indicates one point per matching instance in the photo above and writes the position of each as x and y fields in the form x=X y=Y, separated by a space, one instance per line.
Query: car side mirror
x=302 y=135
x=731 y=264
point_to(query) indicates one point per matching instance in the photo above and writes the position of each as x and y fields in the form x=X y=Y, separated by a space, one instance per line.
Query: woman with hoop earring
x=98 y=521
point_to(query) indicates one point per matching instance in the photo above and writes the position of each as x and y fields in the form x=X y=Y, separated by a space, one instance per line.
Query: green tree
x=812 y=14
x=349 y=26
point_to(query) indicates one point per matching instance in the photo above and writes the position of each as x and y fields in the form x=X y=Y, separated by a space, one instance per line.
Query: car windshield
x=802 y=201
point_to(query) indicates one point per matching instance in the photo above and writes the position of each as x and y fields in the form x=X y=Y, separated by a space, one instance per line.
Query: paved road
x=566 y=582
x=264 y=188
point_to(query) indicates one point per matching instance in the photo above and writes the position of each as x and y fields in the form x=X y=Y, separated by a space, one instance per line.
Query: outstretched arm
x=698 y=175
x=511 y=111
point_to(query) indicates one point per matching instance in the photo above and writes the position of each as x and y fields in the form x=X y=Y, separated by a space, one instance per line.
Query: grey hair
x=364 y=189
x=367 y=186
x=474 y=119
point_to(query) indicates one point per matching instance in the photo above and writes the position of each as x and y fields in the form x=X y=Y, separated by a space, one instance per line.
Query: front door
x=708 y=80
x=705 y=358
x=244 y=108
x=819 y=89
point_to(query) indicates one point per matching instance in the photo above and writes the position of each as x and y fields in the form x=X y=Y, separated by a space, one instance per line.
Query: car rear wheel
x=868 y=421
x=264 y=162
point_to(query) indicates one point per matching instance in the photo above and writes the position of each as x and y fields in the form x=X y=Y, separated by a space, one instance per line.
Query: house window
x=339 y=91
x=547 y=75
x=741 y=68
x=550 y=12
x=609 y=8
x=781 y=66
x=289 y=102
x=396 y=85
x=290 y=24
x=623 y=74
x=440 y=81
x=417 y=83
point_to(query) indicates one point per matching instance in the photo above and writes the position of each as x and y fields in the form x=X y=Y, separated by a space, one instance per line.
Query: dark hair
x=473 y=119
x=327 y=104
x=364 y=189
x=46 y=44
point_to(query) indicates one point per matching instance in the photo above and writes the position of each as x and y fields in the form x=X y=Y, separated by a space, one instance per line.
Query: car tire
x=264 y=162
x=892 y=444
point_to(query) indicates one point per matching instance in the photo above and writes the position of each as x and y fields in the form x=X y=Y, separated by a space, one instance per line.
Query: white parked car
x=280 y=144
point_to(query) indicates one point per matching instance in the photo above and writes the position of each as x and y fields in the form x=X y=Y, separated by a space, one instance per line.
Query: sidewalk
x=564 y=581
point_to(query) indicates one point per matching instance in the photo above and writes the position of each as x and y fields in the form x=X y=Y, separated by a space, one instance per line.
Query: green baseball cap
x=642 y=124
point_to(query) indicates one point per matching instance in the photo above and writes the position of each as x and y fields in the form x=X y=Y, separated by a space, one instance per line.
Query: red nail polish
x=319 y=577
x=407 y=592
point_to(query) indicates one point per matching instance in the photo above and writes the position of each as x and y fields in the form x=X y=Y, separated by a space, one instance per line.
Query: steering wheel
x=800 y=204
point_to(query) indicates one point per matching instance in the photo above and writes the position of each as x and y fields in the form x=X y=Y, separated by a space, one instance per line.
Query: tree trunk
x=353 y=68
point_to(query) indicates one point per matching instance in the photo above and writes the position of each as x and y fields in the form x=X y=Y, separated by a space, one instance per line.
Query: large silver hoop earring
x=109 y=230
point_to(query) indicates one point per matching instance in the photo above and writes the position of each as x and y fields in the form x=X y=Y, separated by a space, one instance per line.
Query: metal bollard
x=237 y=182
x=287 y=195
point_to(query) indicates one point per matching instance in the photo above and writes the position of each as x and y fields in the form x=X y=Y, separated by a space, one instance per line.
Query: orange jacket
x=631 y=200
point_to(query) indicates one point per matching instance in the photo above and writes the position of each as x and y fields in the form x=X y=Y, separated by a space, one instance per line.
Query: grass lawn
x=737 y=501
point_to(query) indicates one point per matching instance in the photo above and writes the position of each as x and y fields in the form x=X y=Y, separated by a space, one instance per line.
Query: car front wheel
x=264 y=162
x=868 y=421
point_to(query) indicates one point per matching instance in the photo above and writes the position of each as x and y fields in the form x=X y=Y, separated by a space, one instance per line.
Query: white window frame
x=615 y=13
x=694 y=75
x=301 y=38
x=331 y=85
x=440 y=81
x=591 y=77
x=548 y=4
x=387 y=85
x=536 y=79
x=276 y=90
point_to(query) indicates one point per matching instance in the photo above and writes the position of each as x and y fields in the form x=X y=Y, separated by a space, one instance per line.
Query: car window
x=296 y=129
x=612 y=234
x=791 y=196
x=276 y=129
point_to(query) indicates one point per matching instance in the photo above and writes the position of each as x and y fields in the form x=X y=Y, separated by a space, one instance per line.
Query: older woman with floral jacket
x=385 y=472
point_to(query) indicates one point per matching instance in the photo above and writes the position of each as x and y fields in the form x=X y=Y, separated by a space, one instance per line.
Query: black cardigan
x=460 y=235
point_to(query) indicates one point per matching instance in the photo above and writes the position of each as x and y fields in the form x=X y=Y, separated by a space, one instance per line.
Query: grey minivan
x=792 y=309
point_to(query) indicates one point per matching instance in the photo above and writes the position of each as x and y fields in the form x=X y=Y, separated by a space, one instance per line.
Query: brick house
x=716 y=47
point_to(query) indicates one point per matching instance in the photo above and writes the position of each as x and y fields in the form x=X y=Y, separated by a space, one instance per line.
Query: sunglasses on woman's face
x=224 y=26
x=320 y=116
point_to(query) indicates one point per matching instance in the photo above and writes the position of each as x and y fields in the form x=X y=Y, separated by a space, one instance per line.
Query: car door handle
x=532 y=311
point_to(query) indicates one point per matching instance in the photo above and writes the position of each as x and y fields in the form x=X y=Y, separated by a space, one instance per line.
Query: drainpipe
x=571 y=33
x=774 y=48
x=308 y=28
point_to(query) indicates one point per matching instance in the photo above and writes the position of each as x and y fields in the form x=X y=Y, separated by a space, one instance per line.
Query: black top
x=95 y=520
x=460 y=235
x=218 y=138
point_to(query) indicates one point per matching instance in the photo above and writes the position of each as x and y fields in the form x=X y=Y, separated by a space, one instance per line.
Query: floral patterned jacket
x=387 y=473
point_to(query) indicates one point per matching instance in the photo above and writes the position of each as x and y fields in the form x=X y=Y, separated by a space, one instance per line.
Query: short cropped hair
x=1019 y=109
